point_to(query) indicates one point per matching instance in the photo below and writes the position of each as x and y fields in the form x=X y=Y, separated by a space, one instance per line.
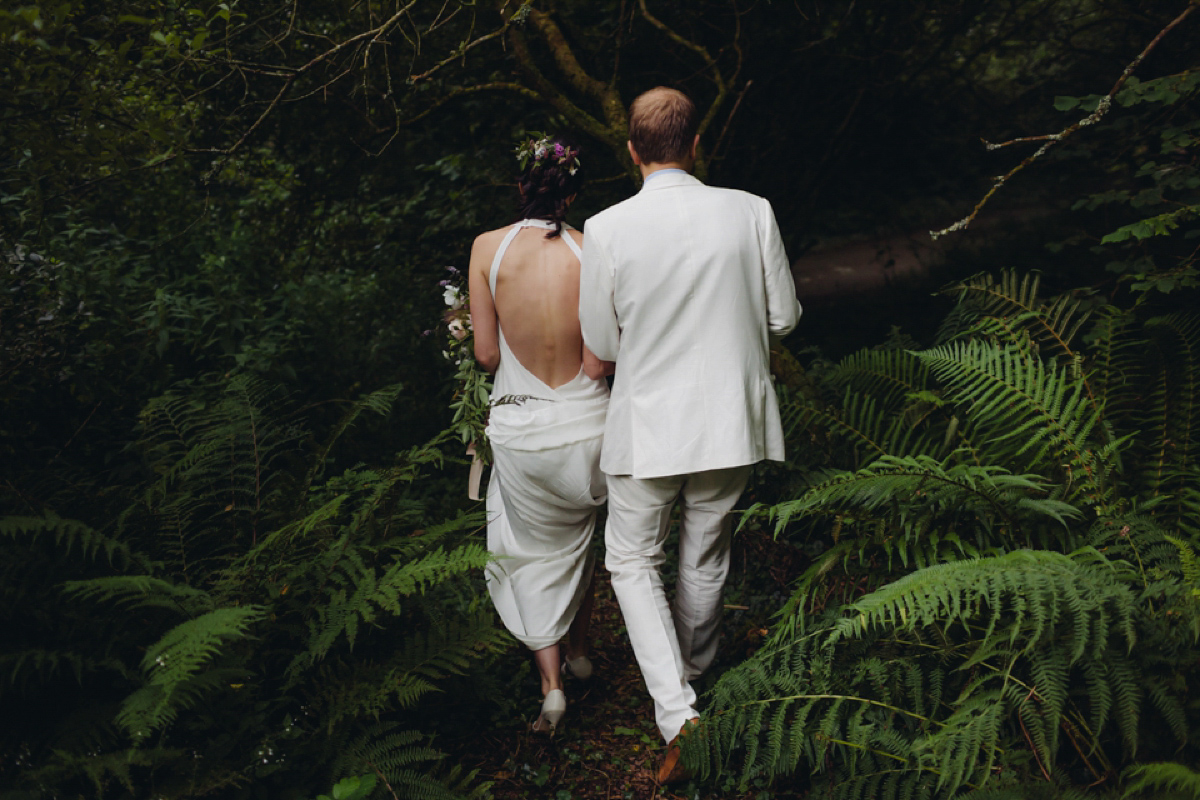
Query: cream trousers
x=671 y=648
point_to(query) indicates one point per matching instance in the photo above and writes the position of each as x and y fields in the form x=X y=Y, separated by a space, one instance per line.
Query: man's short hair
x=662 y=125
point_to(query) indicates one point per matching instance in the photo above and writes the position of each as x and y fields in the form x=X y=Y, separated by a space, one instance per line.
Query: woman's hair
x=549 y=179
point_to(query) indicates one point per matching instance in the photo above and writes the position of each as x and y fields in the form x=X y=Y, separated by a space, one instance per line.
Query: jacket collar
x=670 y=179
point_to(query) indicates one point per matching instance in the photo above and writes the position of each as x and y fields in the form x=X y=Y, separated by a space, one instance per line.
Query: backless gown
x=545 y=489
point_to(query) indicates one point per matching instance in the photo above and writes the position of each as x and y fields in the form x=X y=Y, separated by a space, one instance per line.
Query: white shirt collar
x=667 y=171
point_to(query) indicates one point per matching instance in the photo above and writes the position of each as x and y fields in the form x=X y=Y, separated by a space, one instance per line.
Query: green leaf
x=355 y=788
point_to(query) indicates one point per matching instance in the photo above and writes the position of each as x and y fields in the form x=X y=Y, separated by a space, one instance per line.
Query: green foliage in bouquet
x=473 y=385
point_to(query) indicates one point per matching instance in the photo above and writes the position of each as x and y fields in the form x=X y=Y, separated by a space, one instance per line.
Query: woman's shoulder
x=484 y=248
x=492 y=237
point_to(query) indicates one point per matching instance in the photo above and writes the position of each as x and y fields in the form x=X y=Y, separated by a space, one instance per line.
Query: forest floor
x=607 y=747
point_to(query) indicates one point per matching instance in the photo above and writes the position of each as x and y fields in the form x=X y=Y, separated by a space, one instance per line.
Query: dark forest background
x=236 y=557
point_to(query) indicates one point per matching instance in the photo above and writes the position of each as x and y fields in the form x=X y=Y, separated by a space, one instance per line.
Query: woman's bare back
x=536 y=301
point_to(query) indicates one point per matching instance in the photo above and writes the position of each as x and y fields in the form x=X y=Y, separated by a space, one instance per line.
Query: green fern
x=70 y=536
x=172 y=665
x=1031 y=414
x=1015 y=627
x=1012 y=304
x=360 y=687
x=377 y=402
x=141 y=591
x=358 y=595
x=394 y=755
x=1162 y=781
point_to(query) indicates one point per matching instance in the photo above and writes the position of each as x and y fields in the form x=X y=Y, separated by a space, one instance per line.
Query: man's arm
x=597 y=314
x=783 y=309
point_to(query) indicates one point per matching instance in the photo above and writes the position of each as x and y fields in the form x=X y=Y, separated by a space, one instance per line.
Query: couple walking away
x=676 y=292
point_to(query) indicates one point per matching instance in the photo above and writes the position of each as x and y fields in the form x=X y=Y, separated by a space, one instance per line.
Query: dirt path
x=608 y=747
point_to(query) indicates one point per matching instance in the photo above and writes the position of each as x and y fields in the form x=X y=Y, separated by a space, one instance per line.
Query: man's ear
x=637 y=160
x=695 y=144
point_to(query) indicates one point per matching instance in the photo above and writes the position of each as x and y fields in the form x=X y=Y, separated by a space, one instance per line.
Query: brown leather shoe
x=671 y=770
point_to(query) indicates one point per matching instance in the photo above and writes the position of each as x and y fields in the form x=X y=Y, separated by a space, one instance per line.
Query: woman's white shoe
x=553 y=707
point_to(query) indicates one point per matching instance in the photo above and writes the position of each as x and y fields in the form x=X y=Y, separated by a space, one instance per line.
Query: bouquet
x=474 y=385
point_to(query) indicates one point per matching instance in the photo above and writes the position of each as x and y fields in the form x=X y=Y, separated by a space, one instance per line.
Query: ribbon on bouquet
x=476 y=473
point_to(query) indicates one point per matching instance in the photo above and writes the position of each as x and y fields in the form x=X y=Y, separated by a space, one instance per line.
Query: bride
x=547 y=420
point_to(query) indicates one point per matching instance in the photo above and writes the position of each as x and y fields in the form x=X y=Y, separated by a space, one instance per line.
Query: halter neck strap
x=512 y=234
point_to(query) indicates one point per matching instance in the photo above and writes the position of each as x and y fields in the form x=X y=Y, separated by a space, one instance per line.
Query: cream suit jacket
x=681 y=285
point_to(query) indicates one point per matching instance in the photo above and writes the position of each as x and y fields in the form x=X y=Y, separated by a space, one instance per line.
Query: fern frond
x=924 y=503
x=357 y=594
x=188 y=646
x=357 y=688
x=24 y=667
x=888 y=375
x=141 y=591
x=1025 y=594
x=1036 y=415
x=1014 y=300
x=71 y=535
x=378 y=402
x=155 y=706
x=1156 y=779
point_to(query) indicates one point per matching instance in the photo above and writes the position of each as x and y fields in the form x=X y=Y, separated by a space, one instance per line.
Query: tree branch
x=501 y=86
x=1052 y=139
x=613 y=137
x=718 y=77
x=462 y=51
x=372 y=34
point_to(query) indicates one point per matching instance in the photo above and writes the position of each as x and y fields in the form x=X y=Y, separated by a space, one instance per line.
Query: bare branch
x=501 y=86
x=680 y=40
x=564 y=57
x=261 y=117
x=714 y=68
x=556 y=98
x=729 y=119
x=374 y=34
x=1052 y=139
x=462 y=51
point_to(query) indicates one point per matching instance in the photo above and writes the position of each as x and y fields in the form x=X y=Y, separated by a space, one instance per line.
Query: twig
x=385 y=780
x=709 y=61
x=76 y=433
x=504 y=86
x=1052 y=139
x=725 y=129
x=459 y=53
x=1032 y=747
x=374 y=34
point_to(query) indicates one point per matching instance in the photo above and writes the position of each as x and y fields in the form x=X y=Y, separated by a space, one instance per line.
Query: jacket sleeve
x=783 y=309
x=597 y=313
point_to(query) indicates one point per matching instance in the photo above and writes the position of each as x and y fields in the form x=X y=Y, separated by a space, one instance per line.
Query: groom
x=682 y=286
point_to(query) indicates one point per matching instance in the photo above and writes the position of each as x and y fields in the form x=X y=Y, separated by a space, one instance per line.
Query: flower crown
x=542 y=150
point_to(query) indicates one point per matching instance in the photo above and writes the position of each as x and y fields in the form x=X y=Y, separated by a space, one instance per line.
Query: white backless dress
x=545 y=488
